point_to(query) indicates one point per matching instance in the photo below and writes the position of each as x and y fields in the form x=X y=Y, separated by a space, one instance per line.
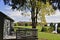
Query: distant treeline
x=30 y=24
x=24 y=24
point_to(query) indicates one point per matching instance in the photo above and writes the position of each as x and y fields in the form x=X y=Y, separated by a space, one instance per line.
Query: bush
x=58 y=30
x=44 y=29
x=51 y=24
x=26 y=24
x=50 y=29
x=47 y=29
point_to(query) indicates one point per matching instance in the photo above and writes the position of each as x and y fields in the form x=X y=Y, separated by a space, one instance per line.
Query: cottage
x=53 y=21
x=6 y=25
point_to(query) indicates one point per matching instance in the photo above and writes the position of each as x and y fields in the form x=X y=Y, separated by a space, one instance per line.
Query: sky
x=16 y=15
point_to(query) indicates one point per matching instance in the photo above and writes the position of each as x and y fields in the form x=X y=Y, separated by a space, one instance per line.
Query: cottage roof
x=5 y=16
x=53 y=19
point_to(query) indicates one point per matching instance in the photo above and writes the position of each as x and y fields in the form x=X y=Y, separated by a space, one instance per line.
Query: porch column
x=56 y=27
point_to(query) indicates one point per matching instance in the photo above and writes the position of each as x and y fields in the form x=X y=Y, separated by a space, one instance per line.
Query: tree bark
x=33 y=17
x=36 y=15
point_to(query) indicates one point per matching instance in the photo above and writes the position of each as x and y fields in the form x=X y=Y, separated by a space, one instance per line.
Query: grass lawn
x=43 y=35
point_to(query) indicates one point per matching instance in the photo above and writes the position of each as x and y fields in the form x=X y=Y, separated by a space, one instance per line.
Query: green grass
x=16 y=27
x=43 y=35
x=48 y=36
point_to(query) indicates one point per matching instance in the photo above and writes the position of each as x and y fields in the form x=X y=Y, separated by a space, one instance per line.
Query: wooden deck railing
x=26 y=34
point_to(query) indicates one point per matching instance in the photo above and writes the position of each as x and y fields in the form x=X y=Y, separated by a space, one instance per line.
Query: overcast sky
x=16 y=15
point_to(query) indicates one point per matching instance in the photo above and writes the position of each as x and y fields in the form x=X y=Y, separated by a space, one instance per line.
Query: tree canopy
x=19 y=3
x=41 y=7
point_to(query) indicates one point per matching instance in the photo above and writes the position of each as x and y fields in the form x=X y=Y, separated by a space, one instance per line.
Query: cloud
x=16 y=13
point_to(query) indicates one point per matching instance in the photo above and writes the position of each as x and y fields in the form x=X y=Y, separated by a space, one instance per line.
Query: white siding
x=6 y=27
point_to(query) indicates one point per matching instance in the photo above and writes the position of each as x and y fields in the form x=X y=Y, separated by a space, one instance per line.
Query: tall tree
x=34 y=5
x=46 y=9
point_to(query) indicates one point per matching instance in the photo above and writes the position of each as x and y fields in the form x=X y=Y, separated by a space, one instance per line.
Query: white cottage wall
x=6 y=28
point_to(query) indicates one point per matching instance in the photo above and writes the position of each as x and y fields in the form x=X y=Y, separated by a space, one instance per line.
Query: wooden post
x=1 y=27
x=56 y=27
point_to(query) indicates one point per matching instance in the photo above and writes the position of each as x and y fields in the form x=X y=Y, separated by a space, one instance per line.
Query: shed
x=6 y=25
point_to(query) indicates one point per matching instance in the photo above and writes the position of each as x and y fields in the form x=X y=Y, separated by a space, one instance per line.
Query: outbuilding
x=6 y=25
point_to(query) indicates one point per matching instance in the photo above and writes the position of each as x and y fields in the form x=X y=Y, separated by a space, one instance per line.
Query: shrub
x=47 y=29
x=44 y=29
x=51 y=24
x=26 y=24
x=58 y=30
x=50 y=29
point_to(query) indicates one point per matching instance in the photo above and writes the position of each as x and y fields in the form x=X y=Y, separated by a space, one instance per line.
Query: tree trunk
x=33 y=17
x=36 y=15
